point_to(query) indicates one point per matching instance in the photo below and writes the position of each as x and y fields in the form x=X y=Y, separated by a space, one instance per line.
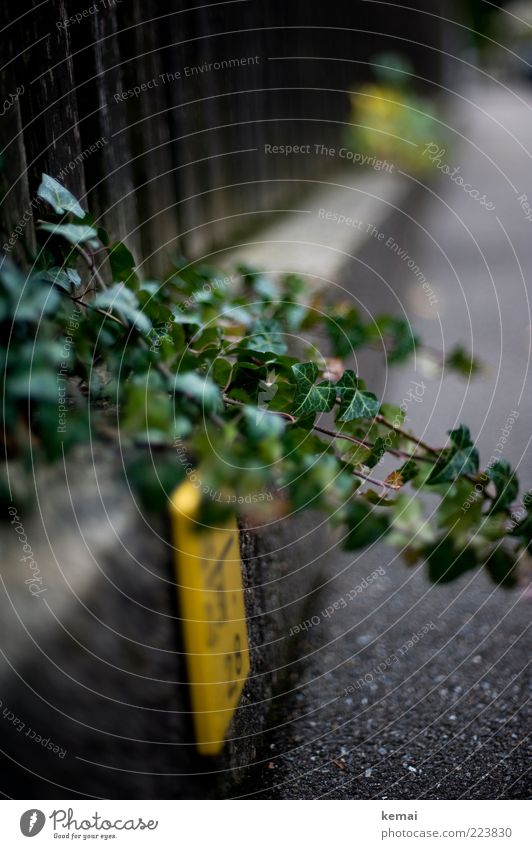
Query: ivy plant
x=198 y=375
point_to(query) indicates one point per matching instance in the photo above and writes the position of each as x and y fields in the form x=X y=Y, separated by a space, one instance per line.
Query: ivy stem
x=375 y=481
x=293 y=419
x=406 y=435
x=288 y=416
x=99 y=310
x=89 y=260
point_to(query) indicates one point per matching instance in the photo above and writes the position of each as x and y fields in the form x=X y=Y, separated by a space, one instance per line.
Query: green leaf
x=64 y=278
x=346 y=331
x=122 y=263
x=452 y=464
x=502 y=567
x=506 y=484
x=365 y=526
x=451 y=513
x=59 y=198
x=258 y=282
x=260 y=424
x=377 y=452
x=461 y=437
x=308 y=397
x=460 y=459
x=377 y=499
x=37 y=299
x=409 y=470
x=461 y=361
x=200 y=389
x=446 y=562
x=39 y=384
x=121 y=300
x=11 y=277
x=75 y=234
x=221 y=371
x=523 y=530
x=355 y=403
x=266 y=335
x=154 y=478
x=409 y=526
x=402 y=340
x=146 y=412
x=347 y=384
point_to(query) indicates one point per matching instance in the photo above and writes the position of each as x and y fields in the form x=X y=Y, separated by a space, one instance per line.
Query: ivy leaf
x=59 y=198
x=408 y=470
x=122 y=263
x=266 y=335
x=11 y=277
x=501 y=566
x=402 y=340
x=377 y=499
x=259 y=283
x=377 y=452
x=451 y=513
x=260 y=424
x=460 y=361
x=363 y=405
x=452 y=464
x=355 y=403
x=310 y=398
x=365 y=526
x=64 y=278
x=347 y=383
x=75 y=234
x=37 y=299
x=506 y=484
x=461 y=437
x=154 y=478
x=523 y=530
x=146 y=413
x=120 y=299
x=37 y=384
x=394 y=480
x=446 y=562
x=200 y=389
x=346 y=331
x=460 y=459
x=221 y=370
x=408 y=523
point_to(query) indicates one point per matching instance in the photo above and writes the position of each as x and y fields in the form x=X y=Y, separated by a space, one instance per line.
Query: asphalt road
x=406 y=690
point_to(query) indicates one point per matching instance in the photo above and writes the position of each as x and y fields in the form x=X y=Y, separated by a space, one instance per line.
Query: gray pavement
x=367 y=710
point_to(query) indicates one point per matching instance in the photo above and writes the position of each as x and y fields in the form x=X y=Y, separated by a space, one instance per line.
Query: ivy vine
x=208 y=374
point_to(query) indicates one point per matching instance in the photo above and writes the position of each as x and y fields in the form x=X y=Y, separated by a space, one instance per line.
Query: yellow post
x=211 y=597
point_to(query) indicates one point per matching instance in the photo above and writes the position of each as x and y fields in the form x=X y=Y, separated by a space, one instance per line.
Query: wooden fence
x=158 y=113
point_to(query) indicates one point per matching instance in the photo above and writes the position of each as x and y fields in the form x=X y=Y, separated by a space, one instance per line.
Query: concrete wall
x=93 y=663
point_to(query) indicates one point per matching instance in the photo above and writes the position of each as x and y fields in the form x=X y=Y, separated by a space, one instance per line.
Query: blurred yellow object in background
x=390 y=122
x=211 y=598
